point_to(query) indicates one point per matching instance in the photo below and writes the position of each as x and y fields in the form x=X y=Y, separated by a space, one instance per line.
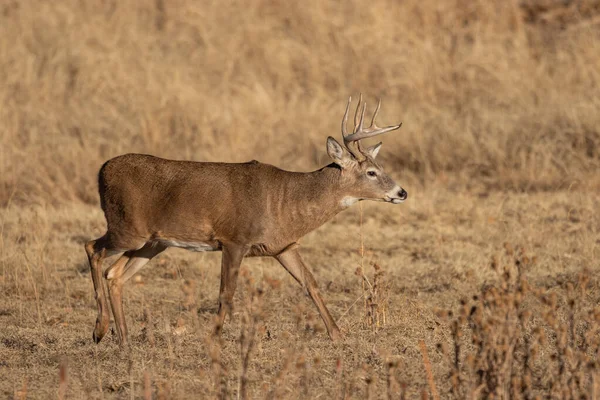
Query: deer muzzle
x=396 y=196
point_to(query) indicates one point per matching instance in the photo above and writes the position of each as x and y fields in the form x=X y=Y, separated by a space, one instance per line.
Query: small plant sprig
x=376 y=297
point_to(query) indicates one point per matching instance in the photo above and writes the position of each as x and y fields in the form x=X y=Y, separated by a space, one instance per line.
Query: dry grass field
x=485 y=283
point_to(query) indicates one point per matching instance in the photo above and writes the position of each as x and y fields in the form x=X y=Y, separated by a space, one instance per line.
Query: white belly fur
x=192 y=246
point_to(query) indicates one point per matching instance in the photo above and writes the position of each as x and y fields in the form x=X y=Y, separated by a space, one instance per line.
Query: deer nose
x=402 y=194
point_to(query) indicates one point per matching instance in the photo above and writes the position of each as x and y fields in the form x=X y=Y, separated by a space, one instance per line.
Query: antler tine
x=362 y=118
x=373 y=125
x=345 y=119
x=360 y=127
x=356 y=112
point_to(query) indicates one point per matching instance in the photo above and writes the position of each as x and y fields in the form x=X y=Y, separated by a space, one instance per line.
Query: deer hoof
x=99 y=331
x=336 y=336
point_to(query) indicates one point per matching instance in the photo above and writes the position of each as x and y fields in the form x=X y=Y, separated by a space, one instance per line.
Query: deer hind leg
x=290 y=259
x=230 y=267
x=96 y=251
x=119 y=273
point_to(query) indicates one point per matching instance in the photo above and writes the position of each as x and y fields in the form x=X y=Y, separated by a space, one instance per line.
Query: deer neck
x=323 y=193
x=334 y=189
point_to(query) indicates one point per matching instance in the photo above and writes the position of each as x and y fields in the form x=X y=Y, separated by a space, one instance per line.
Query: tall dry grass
x=492 y=94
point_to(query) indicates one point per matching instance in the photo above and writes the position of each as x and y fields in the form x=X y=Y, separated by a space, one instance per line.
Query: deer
x=241 y=209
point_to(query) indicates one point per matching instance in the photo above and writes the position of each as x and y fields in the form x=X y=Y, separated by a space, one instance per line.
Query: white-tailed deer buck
x=243 y=210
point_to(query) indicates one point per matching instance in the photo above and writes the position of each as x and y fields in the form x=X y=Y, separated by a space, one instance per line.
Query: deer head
x=362 y=176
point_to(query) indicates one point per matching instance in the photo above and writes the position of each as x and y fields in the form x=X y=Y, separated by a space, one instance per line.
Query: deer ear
x=373 y=150
x=338 y=154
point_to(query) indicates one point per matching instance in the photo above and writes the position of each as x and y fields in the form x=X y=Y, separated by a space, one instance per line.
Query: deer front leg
x=293 y=263
x=230 y=267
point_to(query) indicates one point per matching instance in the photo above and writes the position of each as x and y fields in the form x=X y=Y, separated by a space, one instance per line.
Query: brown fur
x=248 y=209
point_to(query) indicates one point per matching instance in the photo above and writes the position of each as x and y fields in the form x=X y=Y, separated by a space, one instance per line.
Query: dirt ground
x=435 y=250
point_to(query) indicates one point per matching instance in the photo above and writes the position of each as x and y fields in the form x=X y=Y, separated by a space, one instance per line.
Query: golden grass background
x=500 y=143
x=488 y=94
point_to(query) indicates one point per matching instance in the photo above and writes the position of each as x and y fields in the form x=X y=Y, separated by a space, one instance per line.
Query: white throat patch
x=348 y=201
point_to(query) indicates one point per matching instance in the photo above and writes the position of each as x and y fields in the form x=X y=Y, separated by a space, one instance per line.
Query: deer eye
x=372 y=174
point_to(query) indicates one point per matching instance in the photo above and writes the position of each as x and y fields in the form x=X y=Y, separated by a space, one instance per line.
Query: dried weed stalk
x=189 y=292
x=252 y=318
x=369 y=378
x=428 y=370
x=148 y=328
x=276 y=386
x=147 y=386
x=376 y=296
x=497 y=343
x=391 y=365
x=62 y=379
x=214 y=344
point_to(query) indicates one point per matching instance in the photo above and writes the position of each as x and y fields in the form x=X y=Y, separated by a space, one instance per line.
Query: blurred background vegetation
x=492 y=95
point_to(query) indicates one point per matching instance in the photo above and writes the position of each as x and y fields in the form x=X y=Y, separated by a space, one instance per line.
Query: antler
x=359 y=132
